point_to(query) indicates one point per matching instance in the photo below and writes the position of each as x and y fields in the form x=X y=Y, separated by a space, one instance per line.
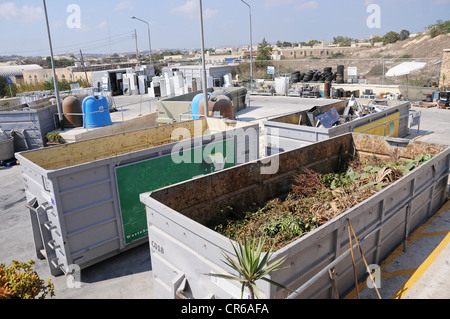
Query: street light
x=205 y=83
x=55 y=80
x=149 y=41
x=251 y=42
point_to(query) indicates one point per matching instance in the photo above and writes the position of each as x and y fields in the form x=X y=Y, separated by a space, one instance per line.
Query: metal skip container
x=184 y=249
x=29 y=123
x=288 y=132
x=83 y=197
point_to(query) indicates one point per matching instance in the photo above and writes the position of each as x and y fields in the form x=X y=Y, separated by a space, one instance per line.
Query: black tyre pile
x=297 y=77
x=316 y=76
x=340 y=74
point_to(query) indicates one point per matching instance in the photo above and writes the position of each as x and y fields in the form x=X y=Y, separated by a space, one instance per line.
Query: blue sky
x=106 y=26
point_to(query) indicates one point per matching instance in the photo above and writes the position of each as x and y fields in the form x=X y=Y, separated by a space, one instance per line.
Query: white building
x=15 y=72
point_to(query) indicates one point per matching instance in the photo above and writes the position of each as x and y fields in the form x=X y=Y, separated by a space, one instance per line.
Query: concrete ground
x=129 y=275
x=262 y=106
x=420 y=272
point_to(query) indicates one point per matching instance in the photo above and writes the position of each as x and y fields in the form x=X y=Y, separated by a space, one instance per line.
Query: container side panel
x=89 y=195
x=86 y=238
x=90 y=215
x=182 y=212
x=82 y=177
x=132 y=180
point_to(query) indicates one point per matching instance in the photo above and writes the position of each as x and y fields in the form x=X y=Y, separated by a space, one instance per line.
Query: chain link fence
x=373 y=71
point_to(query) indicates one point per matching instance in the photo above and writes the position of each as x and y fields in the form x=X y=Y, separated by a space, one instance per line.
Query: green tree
x=376 y=39
x=391 y=37
x=343 y=41
x=62 y=85
x=4 y=88
x=311 y=43
x=440 y=27
x=157 y=57
x=284 y=44
x=404 y=35
x=49 y=62
x=264 y=51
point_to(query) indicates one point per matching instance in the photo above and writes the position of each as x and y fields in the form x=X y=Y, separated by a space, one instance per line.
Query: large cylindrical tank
x=218 y=104
x=96 y=112
x=195 y=106
x=72 y=106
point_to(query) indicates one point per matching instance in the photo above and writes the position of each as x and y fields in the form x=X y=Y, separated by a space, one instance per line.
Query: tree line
x=434 y=30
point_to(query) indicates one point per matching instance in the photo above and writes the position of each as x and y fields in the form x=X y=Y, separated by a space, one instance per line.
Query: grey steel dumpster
x=183 y=249
x=287 y=132
x=84 y=197
x=29 y=124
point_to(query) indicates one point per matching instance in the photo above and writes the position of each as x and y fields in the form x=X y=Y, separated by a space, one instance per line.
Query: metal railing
x=372 y=69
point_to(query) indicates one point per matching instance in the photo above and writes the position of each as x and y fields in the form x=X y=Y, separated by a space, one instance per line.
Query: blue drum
x=195 y=105
x=96 y=112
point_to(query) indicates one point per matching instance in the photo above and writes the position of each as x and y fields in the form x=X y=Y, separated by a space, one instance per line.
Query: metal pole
x=149 y=39
x=407 y=88
x=84 y=68
x=149 y=44
x=205 y=83
x=251 y=42
x=55 y=80
x=137 y=51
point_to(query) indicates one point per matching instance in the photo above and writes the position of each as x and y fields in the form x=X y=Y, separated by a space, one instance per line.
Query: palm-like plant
x=251 y=266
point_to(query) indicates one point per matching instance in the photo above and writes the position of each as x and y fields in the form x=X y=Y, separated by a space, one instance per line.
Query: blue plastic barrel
x=96 y=112
x=195 y=104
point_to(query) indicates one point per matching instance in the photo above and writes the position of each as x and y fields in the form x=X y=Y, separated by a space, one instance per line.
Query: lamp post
x=251 y=42
x=205 y=83
x=55 y=80
x=149 y=40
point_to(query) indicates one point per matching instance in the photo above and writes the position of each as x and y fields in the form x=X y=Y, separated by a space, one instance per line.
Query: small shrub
x=19 y=281
x=439 y=28
x=54 y=137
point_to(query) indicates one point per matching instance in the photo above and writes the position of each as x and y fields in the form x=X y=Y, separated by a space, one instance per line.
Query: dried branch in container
x=306 y=183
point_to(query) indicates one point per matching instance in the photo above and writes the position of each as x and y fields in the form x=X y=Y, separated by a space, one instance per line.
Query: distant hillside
x=369 y=64
x=422 y=46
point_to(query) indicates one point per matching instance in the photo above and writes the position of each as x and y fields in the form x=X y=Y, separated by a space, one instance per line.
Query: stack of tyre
x=316 y=76
x=340 y=74
x=297 y=77
x=328 y=75
x=309 y=76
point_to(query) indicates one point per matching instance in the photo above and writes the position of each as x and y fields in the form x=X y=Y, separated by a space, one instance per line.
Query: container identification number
x=158 y=247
